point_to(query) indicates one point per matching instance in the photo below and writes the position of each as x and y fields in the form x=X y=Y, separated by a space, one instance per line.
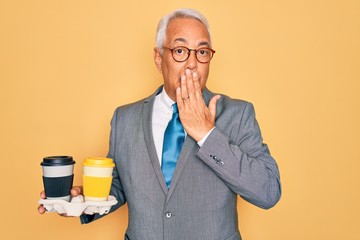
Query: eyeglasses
x=181 y=54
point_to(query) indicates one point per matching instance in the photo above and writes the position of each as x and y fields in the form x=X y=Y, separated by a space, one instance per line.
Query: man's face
x=192 y=34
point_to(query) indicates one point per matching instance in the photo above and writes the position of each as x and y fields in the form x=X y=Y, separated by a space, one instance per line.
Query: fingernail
x=194 y=74
x=187 y=71
x=183 y=78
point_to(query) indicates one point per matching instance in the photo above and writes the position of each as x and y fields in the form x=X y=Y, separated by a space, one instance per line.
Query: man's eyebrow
x=183 y=40
x=203 y=44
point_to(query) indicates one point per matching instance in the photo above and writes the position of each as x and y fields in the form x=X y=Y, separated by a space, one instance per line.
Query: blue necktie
x=173 y=141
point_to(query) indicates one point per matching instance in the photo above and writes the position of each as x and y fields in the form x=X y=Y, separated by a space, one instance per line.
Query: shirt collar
x=165 y=99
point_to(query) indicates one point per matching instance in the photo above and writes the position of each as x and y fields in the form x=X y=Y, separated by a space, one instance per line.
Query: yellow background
x=65 y=66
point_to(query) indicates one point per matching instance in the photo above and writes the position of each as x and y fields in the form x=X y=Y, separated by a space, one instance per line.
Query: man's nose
x=192 y=62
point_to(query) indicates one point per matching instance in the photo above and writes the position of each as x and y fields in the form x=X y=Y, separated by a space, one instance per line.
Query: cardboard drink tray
x=78 y=206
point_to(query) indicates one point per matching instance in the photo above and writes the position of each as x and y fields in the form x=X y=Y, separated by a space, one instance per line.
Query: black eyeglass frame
x=189 y=52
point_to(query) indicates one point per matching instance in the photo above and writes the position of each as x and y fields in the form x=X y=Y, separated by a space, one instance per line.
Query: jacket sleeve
x=243 y=161
x=116 y=187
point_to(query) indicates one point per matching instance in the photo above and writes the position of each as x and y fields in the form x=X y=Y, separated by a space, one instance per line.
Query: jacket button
x=168 y=215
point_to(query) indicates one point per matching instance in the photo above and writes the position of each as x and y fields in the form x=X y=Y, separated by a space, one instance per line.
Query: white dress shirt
x=162 y=114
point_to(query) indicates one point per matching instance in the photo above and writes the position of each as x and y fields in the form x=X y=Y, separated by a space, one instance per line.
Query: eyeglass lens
x=181 y=54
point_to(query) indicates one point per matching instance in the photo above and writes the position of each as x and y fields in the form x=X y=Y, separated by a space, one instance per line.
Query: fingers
x=41 y=209
x=76 y=191
x=184 y=91
x=42 y=195
x=192 y=85
x=179 y=98
x=196 y=86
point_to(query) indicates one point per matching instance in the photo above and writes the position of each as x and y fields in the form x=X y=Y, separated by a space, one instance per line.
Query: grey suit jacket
x=201 y=201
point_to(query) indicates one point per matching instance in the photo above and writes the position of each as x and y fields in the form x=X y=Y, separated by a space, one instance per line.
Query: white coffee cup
x=58 y=176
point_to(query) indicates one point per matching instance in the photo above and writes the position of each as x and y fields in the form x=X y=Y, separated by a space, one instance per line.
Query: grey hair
x=179 y=13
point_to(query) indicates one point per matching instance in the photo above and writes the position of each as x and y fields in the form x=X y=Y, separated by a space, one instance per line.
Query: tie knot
x=175 y=108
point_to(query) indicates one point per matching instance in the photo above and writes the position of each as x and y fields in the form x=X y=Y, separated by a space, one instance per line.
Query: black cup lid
x=57 y=161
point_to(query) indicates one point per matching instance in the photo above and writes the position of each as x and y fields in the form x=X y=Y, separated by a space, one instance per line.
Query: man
x=222 y=153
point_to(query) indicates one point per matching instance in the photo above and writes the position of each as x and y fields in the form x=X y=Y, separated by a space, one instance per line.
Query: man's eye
x=203 y=52
x=179 y=51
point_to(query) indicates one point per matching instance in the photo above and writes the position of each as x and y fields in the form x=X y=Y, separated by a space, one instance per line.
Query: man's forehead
x=180 y=30
x=183 y=40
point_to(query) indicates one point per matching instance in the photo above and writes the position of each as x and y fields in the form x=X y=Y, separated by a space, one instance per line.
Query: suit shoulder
x=234 y=104
x=134 y=106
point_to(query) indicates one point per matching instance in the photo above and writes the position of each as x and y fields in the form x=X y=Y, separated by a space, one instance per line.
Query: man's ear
x=157 y=59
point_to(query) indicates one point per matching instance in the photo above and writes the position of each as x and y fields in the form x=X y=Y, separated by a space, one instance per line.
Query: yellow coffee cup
x=97 y=178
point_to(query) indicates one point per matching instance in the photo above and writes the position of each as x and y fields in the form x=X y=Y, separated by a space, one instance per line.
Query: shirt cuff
x=201 y=142
x=85 y=218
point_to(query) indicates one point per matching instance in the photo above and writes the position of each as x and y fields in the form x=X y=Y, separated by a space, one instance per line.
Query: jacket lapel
x=188 y=150
x=149 y=140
